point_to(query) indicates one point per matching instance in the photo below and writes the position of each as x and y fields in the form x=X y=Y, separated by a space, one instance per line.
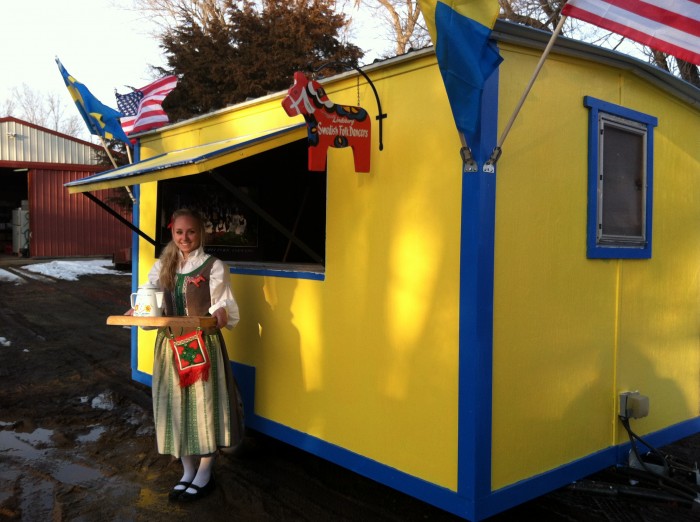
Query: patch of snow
x=103 y=401
x=72 y=270
x=10 y=277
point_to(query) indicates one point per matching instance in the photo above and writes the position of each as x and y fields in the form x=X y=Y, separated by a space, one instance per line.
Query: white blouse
x=219 y=282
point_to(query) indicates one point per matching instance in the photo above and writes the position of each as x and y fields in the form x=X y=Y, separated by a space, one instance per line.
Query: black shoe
x=200 y=491
x=175 y=493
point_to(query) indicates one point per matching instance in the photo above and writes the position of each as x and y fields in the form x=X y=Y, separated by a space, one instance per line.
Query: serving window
x=264 y=211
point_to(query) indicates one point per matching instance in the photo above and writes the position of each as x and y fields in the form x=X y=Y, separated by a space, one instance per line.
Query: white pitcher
x=147 y=301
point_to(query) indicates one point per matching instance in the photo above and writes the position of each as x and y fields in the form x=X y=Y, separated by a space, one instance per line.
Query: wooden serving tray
x=184 y=322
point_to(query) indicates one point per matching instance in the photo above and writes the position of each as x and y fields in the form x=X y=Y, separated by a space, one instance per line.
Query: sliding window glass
x=620 y=181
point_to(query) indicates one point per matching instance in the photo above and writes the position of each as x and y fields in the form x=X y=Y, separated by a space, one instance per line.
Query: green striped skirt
x=200 y=418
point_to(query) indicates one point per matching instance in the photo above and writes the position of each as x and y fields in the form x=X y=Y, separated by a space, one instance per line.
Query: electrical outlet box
x=633 y=405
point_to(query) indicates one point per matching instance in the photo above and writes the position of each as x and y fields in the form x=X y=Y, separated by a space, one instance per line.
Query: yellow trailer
x=463 y=337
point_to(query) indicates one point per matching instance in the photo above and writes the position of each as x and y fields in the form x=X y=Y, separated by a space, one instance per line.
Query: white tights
x=199 y=476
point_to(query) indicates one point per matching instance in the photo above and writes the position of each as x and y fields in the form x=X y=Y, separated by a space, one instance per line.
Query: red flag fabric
x=142 y=109
x=670 y=26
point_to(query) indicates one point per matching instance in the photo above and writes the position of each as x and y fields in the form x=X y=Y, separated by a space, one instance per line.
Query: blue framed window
x=620 y=181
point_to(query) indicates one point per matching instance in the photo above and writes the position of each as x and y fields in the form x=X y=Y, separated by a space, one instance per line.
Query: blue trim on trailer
x=478 y=224
x=137 y=168
x=137 y=375
x=601 y=251
x=142 y=377
x=451 y=501
x=398 y=480
x=279 y=272
x=474 y=498
x=547 y=482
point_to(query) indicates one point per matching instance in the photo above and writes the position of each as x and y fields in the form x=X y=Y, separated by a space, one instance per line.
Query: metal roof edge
x=190 y=156
x=59 y=167
x=377 y=64
x=509 y=32
x=13 y=119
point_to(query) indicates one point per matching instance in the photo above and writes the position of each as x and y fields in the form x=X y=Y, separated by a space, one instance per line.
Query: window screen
x=620 y=181
x=622 y=184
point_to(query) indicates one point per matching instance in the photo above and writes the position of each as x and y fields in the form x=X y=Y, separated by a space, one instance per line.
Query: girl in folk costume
x=196 y=404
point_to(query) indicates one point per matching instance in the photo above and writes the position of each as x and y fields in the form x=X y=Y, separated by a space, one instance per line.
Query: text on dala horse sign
x=329 y=124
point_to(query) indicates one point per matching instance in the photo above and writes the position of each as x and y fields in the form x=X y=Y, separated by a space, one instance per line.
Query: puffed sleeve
x=154 y=274
x=221 y=293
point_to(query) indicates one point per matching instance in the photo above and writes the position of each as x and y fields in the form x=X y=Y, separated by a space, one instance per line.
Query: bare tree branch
x=403 y=20
x=545 y=14
x=45 y=110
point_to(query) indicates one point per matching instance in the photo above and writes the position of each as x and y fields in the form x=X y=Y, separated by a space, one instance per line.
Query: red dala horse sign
x=329 y=124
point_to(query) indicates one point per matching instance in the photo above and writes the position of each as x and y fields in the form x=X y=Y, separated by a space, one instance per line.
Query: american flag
x=670 y=26
x=142 y=108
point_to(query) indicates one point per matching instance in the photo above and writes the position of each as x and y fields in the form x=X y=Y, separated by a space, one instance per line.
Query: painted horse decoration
x=329 y=124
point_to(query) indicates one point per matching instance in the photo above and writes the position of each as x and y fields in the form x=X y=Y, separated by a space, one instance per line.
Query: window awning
x=193 y=160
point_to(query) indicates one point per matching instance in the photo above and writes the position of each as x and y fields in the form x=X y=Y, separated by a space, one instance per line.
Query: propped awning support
x=120 y=217
x=197 y=160
x=254 y=207
x=191 y=160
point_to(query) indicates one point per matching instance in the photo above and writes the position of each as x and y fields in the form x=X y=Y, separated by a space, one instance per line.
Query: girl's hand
x=130 y=311
x=221 y=317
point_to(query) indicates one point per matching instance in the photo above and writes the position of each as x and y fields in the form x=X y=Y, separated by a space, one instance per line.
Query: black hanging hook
x=381 y=115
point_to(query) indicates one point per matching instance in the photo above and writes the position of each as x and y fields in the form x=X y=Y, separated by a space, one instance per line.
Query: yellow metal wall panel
x=553 y=313
x=659 y=351
x=246 y=118
x=570 y=333
x=349 y=359
x=146 y=258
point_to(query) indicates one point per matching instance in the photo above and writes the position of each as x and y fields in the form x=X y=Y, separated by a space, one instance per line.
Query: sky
x=102 y=45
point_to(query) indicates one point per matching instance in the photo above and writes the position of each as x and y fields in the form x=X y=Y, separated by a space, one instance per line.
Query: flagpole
x=114 y=163
x=92 y=111
x=490 y=164
x=104 y=146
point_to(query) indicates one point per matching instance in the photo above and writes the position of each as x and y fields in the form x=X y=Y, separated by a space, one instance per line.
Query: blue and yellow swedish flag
x=100 y=119
x=461 y=30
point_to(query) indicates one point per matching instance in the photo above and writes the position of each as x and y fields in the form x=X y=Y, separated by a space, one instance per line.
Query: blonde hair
x=169 y=256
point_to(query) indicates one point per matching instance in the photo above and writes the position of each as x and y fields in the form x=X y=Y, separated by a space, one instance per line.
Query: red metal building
x=35 y=163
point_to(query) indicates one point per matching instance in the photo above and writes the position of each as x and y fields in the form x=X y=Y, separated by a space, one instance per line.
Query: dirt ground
x=76 y=438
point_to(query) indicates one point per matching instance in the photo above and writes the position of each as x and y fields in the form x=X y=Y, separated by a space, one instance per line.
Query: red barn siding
x=65 y=225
